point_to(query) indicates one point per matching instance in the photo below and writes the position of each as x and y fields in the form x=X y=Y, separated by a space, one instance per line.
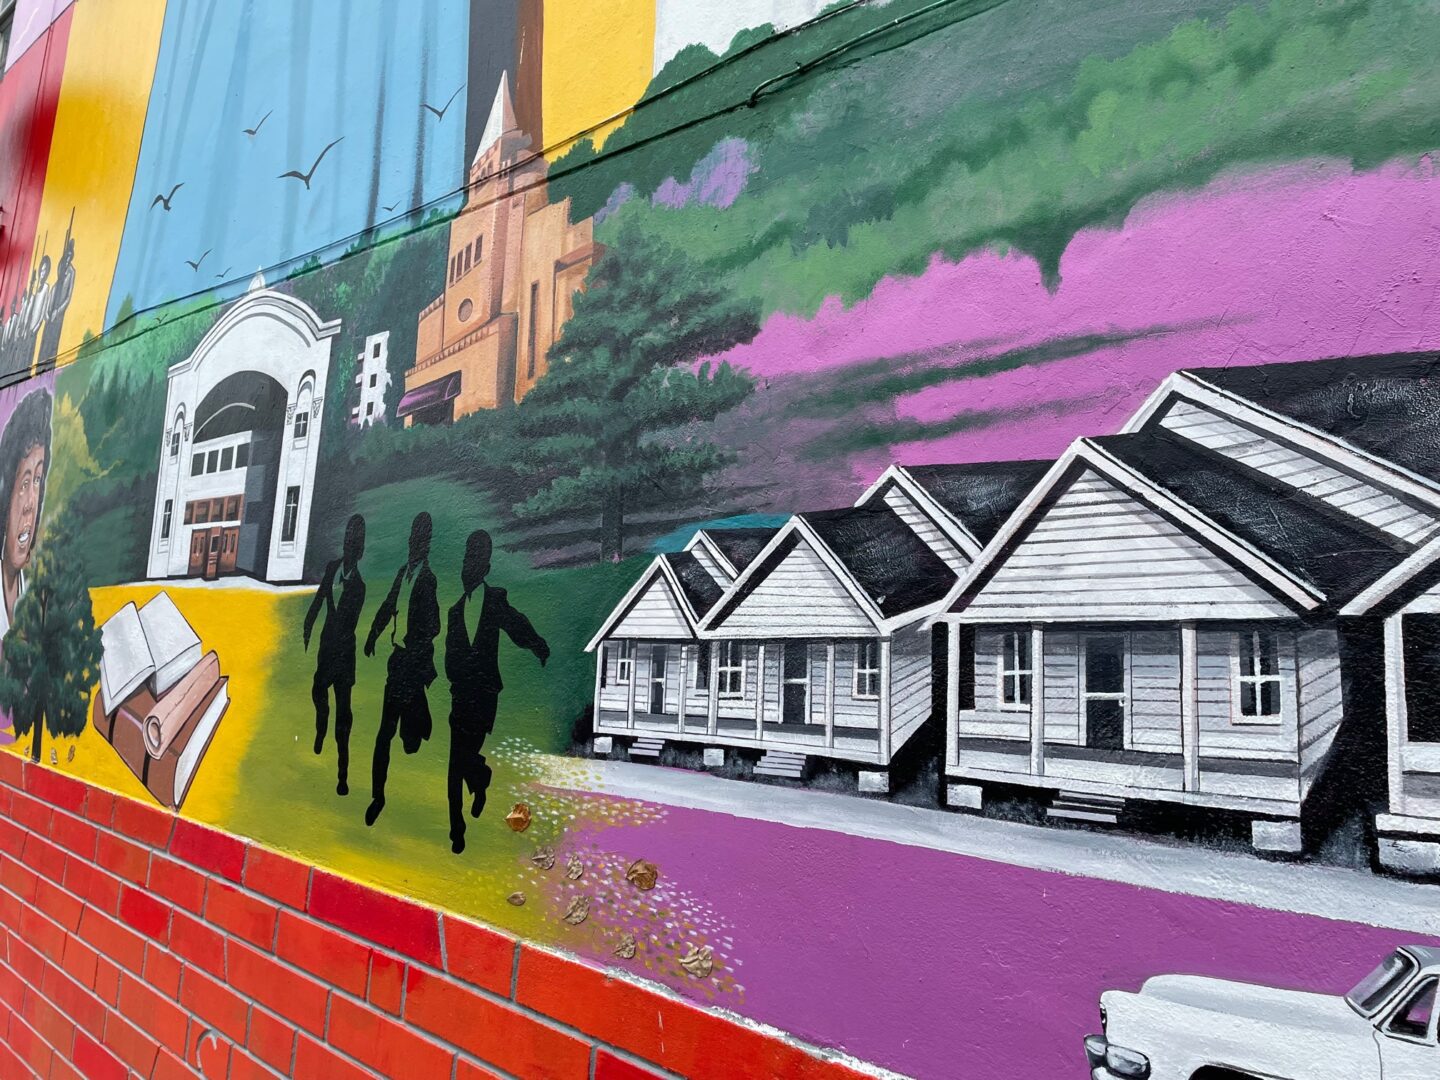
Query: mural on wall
x=991 y=470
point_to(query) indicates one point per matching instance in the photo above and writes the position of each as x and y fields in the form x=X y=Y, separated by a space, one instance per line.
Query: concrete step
x=781 y=763
x=646 y=748
x=1077 y=806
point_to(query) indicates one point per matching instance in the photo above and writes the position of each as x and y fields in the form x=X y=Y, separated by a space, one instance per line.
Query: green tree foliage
x=601 y=433
x=52 y=650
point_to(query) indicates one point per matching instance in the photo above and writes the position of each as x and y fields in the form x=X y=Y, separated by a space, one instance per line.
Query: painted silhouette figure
x=472 y=664
x=341 y=595
x=412 y=613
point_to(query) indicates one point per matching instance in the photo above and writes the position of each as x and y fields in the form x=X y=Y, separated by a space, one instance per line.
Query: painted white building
x=686 y=22
x=372 y=379
x=241 y=443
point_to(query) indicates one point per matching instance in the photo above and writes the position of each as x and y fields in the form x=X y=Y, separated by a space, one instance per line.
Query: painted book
x=153 y=644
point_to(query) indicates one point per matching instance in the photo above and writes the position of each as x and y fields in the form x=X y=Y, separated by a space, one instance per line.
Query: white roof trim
x=949 y=524
x=659 y=566
x=702 y=537
x=1423 y=557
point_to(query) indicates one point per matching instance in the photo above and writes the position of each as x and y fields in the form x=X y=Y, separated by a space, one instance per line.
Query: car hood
x=1291 y=1008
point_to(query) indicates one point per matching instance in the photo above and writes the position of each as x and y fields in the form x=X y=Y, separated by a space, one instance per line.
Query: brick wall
x=140 y=944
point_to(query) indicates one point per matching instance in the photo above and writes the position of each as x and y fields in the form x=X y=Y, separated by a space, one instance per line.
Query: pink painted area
x=32 y=18
x=1296 y=264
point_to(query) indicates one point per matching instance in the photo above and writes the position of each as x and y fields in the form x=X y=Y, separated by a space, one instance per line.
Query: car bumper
x=1096 y=1047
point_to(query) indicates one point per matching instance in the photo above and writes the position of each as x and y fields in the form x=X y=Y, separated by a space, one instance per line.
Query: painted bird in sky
x=390 y=208
x=253 y=131
x=440 y=113
x=306 y=177
x=164 y=200
x=224 y=273
x=196 y=264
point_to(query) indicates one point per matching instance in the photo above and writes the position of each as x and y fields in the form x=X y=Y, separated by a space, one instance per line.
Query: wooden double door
x=213 y=551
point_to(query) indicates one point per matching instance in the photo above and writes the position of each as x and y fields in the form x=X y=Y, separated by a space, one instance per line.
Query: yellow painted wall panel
x=598 y=60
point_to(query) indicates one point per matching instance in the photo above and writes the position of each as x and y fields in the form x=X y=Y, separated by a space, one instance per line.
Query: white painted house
x=372 y=380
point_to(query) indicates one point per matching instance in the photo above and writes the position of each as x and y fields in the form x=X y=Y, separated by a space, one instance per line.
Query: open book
x=153 y=643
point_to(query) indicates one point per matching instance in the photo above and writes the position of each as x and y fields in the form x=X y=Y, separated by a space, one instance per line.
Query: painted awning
x=432 y=393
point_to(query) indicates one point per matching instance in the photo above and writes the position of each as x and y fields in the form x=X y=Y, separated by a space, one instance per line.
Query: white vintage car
x=1184 y=1027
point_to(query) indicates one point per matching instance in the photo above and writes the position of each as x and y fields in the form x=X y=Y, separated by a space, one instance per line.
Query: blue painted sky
x=322 y=70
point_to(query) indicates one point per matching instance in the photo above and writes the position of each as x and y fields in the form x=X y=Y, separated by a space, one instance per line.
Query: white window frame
x=1022 y=642
x=724 y=671
x=1239 y=678
x=625 y=662
x=864 y=674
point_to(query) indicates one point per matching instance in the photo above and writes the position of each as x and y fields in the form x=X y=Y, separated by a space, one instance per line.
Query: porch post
x=684 y=674
x=830 y=694
x=634 y=678
x=712 y=721
x=1395 y=710
x=601 y=653
x=760 y=692
x=1189 y=706
x=952 y=694
x=1037 y=700
x=885 y=701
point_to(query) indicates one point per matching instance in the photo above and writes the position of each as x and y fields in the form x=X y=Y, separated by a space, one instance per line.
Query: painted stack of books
x=161 y=696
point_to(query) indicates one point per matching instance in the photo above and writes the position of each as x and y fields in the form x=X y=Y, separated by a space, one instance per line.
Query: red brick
x=271 y=1040
x=210 y=1051
x=335 y=959
x=111 y=939
x=216 y=852
x=10 y=907
x=129 y=861
x=170 y=1067
x=610 y=1067
x=479 y=955
x=79 y=961
x=42 y=934
x=100 y=807
x=60 y=1069
x=400 y=925
x=29 y=1046
x=162 y=971
x=56 y=789
x=244 y=1067
x=142 y=823
x=107 y=981
x=32 y=813
x=12 y=833
x=387 y=982
x=157 y=1015
x=44 y=858
x=177 y=883
x=495 y=1033
x=49 y=1023
x=10 y=1063
x=26 y=962
x=12 y=988
x=144 y=914
x=75 y=1001
x=12 y=767
x=239 y=914
x=217 y=1005
x=468 y=1070
x=315 y=1062
x=58 y=905
x=18 y=879
x=130 y=1044
x=391 y=1049
x=295 y=997
x=279 y=877
x=197 y=944
x=74 y=835
x=98 y=888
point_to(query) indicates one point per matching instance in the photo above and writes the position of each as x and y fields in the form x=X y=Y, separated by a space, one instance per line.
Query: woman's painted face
x=24 y=510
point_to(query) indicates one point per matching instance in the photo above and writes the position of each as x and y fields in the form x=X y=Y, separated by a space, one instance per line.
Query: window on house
x=1258 y=675
x=375 y=352
x=197 y=464
x=292 y=514
x=624 y=664
x=175 y=443
x=165 y=519
x=370 y=408
x=479 y=248
x=730 y=672
x=242 y=455
x=202 y=511
x=1016 y=670
x=212 y=461
x=702 y=666
x=466 y=270
x=867 y=669
x=534 y=321
x=302 y=424
x=373 y=378
x=227 y=459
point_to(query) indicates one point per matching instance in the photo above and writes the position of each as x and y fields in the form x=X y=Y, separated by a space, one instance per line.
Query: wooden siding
x=925 y=527
x=987 y=720
x=1099 y=553
x=1321 y=700
x=800 y=594
x=707 y=560
x=1154 y=657
x=1062 y=686
x=910 y=671
x=1222 y=734
x=655 y=614
x=1341 y=490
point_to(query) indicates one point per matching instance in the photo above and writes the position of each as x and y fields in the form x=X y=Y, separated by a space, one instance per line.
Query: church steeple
x=501 y=122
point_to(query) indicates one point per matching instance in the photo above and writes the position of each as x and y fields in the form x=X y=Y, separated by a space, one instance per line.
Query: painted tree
x=51 y=653
x=602 y=433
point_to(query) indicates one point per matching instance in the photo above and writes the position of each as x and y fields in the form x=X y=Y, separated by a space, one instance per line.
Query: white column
x=830 y=694
x=760 y=691
x=952 y=694
x=713 y=718
x=634 y=678
x=1037 y=700
x=684 y=674
x=1190 y=706
x=885 y=701
x=600 y=654
x=1395 y=718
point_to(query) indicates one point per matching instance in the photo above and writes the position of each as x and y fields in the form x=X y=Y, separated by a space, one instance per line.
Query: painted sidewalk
x=944 y=946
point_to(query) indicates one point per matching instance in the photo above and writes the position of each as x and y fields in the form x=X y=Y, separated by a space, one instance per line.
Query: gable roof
x=663 y=568
x=980 y=495
x=738 y=547
x=700 y=590
x=894 y=567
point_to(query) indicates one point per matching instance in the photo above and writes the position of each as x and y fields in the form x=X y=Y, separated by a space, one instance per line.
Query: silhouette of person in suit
x=342 y=595
x=412 y=613
x=472 y=664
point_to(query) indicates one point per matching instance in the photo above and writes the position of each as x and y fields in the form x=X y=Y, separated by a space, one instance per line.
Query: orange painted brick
x=12 y=988
x=210 y=1051
x=44 y=858
x=295 y=997
x=391 y=1049
x=244 y=1067
x=10 y=1063
x=316 y=1062
x=218 y=1005
x=107 y=981
x=177 y=883
x=387 y=982
x=494 y=1033
x=100 y=807
x=144 y=914
x=56 y=789
x=111 y=939
x=58 y=905
x=168 y=1066
x=162 y=971
x=99 y=889
x=49 y=1023
x=26 y=962
x=338 y=960
x=271 y=1040
x=468 y=1070
x=239 y=914
x=75 y=1001
x=60 y=1069
x=279 y=877
x=479 y=955
x=142 y=823
x=47 y=937
x=156 y=1014
x=18 y=879
x=130 y=1044
x=31 y=1049
x=74 y=834
x=79 y=962
x=129 y=861
x=210 y=850
x=610 y=1067
x=197 y=944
